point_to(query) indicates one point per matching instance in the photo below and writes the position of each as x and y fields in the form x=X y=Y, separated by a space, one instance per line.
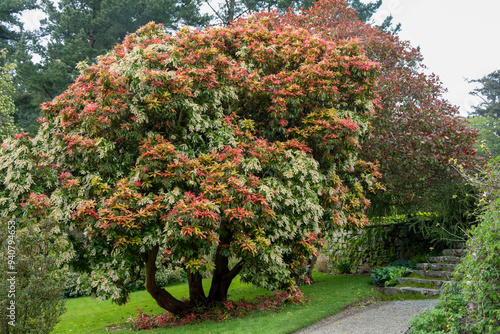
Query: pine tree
x=487 y=113
x=10 y=25
x=489 y=93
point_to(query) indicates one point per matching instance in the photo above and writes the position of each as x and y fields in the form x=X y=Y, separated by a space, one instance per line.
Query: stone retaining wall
x=376 y=245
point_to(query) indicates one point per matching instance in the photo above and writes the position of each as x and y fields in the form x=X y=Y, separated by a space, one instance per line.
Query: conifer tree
x=10 y=24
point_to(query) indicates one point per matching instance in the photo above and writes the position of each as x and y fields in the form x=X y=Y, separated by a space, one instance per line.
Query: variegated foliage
x=238 y=142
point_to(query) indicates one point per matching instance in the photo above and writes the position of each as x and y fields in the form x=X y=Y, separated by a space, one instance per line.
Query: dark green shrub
x=167 y=275
x=446 y=317
x=472 y=305
x=388 y=276
x=344 y=268
x=32 y=284
x=421 y=258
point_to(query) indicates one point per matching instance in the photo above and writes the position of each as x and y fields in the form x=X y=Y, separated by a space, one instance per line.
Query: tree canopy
x=489 y=93
x=486 y=115
x=80 y=30
x=228 y=143
x=11 y=28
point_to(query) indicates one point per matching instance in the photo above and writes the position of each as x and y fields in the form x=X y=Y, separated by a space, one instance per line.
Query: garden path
x=380 y=318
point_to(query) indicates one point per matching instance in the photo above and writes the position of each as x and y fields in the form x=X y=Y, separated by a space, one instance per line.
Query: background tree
x=489 y=93
x=28 y=80
x=11 y=34
x=11 y=28
x=416 y=131
x=7 y=107
x=487 y=113
x=238 y=142
x=229 y=10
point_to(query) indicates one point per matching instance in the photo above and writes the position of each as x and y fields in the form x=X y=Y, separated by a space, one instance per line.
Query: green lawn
x=328 y=296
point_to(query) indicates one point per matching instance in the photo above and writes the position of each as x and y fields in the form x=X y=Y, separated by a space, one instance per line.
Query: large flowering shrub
x=239 y=142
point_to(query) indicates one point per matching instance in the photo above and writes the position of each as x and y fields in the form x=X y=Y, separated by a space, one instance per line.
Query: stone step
x=454 y=252
x=445 y=259
x=437 y=273
x=392 y=290
x=432 y=273
x=436 y=282
x=436 y=266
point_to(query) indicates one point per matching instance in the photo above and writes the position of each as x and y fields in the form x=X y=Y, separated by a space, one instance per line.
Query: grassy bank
x=328 y=296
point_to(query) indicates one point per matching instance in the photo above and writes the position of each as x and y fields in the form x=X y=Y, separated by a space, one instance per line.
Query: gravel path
x=380 y=318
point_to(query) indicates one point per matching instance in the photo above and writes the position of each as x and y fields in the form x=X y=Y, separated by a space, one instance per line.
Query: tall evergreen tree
x=29 y=91
x=10 y=25
x=487 y=113
x=12 y=37
x=489 y=93
x=489 y=138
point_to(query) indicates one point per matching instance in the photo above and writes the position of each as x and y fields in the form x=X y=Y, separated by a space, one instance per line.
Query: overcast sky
x=458 y=38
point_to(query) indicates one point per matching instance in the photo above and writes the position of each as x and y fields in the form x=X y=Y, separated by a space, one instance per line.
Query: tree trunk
x=163 y=298
x=196 y=293
x=222 y=276
x=231 y=4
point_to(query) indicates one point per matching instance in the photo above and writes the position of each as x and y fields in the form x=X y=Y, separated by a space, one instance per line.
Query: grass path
x=328 y=296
